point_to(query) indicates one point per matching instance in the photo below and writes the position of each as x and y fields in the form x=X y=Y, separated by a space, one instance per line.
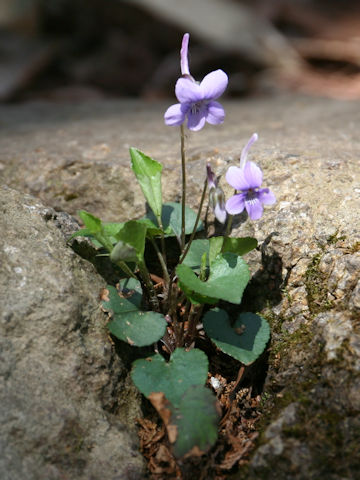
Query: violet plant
x=171 y=315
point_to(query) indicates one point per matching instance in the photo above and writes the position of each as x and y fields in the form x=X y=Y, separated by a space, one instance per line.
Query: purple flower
x=197 y=100
x=216 y=195
x=247 y=180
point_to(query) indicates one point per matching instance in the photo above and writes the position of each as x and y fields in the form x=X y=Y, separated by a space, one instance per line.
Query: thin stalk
x=162 y=240
x=183 y=187
x=196 y=224
x=162 y=262
x=194 y=317
x=126 y=269
x=104 y=241
x=228 y=226
x=153 y=300
x=229 y=223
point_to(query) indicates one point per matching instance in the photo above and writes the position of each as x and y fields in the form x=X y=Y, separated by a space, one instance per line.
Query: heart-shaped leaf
x=195 y=253
x=174 y=377
x=240 y=246
x=148 y=174
x=130 y=324
x=245 y=340
x=171 y=219
x=229 y=275
x=196 y=420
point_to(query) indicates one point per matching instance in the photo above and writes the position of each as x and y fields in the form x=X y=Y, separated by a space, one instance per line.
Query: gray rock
x=307 y=284
x=67 y=408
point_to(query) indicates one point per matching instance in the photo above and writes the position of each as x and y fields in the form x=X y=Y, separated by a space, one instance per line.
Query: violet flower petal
x=220 y=213
x=187 y=91
x=174 y=115
x=213 y=84
x=235 y=204
x=216 y=113
x=196 y=119
x=266 y=196
x=245 y=150
x=252 y=175
x=254 y=208
x=184 y=63
x=235 y=177
x=211 y=177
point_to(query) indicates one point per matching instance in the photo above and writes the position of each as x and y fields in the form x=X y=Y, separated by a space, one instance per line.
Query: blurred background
x=76 y=50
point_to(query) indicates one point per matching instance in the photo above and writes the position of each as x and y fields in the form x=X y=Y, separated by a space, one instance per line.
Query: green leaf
x=83 y=232
x=240 y=246
x=123 y=252
x=229 y=275
x=196 y=419
x=171 y=219
x=245 y=341
x=92 y=223
x=174 y=377
x=133 y=233
x=152 y=229
x=195 y=253
x=148 y=174
x=111 y=230
x=129 y=323
x=216 y=244
x=128 y=299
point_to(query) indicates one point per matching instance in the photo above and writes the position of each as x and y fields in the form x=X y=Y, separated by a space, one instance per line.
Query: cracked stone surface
x=68 y=408
x=307 y=267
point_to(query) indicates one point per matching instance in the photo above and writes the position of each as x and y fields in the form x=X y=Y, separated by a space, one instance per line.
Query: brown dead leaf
x=149 y=433
x=161 y=404
x=194 y=452
x=172 y=433
x=104 y=295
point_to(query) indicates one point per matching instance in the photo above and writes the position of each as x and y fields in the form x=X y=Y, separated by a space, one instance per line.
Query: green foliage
x=129 y=323
x=148 y=174
x=196 y=419
x=171 y=219
x=228 y=277
x=214 y=246
x=195 y=253
x=92 y=223
x=122 y=252
x=240 y=246
x=133 y=234
x=245 y=340
x=212 y=270
x=101 y=234
x=173 y=378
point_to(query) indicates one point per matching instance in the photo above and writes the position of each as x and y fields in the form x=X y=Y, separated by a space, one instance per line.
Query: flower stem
x=183 y=189
x=228 y=226
x=162 y=261
x=126 y=269
x=162 y=239
x=194 y=317
x=152 y=297
x=196 y=223
x=229 y=223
